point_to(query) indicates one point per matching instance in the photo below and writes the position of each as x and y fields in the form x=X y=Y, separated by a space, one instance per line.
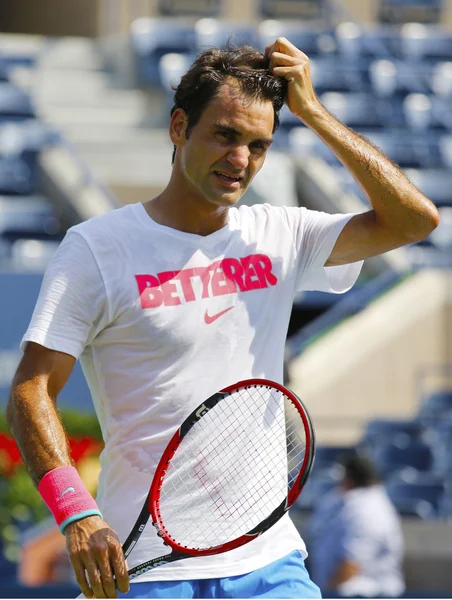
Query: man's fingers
x=283 y=45
x=119 y=567
x=96 y=581
x=106 y=574
x=80 y=575
x=283 y=60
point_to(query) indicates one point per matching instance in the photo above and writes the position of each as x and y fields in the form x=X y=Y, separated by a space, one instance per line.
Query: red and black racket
x=234 y=467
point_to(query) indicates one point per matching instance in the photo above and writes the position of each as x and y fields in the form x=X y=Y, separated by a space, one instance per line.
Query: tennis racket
x=233 y=468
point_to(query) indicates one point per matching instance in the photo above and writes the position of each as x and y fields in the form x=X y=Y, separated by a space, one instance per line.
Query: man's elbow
x=426 y=221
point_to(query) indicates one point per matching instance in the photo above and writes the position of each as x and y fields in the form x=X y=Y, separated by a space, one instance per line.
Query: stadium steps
x=112 y=129
x=368 y=366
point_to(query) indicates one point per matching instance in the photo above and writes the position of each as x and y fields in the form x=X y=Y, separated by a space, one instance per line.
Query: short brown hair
x=213 y=67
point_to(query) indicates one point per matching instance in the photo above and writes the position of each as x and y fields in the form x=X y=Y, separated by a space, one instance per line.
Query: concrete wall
x=369 y=366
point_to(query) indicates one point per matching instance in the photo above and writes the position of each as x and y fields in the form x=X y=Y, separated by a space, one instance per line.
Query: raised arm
x=34 y=422
x=400 y=213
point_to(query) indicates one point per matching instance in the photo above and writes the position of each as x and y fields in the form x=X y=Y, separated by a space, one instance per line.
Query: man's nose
x=238 y=157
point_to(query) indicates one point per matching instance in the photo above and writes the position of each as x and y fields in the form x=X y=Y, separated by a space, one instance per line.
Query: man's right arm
x=34 y=422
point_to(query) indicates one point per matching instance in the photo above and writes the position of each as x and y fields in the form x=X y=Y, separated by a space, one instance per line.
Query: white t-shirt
x=161 y=319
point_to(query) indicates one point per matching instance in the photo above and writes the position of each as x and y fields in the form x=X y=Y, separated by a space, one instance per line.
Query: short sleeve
x=315 y=234
x=72 y=305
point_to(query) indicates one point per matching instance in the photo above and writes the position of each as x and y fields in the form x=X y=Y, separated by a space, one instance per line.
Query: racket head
x=298 y=433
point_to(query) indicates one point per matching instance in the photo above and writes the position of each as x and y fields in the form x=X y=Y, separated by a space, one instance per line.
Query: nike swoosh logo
x=69 y=489
x=210 y=319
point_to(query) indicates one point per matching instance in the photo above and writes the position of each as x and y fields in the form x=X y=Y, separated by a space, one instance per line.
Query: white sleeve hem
x=52 y=343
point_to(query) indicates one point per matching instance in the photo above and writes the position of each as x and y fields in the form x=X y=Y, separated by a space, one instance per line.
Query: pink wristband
x=66 y=496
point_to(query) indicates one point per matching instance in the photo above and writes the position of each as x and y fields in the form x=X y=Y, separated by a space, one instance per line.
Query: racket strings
x=233 y=468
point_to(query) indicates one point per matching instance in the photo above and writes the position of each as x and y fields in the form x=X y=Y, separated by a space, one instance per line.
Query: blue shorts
x=284 y=578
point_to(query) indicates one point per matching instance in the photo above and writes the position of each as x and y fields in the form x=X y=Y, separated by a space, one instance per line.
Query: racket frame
x=151 y=505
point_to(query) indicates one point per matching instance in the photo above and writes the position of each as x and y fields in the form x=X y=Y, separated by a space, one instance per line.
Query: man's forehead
x=232 y=104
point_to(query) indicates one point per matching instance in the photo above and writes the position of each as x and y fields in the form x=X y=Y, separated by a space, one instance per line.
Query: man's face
x=227 y=147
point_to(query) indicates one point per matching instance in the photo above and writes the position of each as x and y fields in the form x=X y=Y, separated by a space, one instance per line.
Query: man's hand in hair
x=292 y=64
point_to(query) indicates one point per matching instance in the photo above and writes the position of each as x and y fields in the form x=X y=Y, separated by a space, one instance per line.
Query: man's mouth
x=228 y=179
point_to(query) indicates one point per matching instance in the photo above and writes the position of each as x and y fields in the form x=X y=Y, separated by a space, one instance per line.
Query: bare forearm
x=34 y=422
x=397 y=203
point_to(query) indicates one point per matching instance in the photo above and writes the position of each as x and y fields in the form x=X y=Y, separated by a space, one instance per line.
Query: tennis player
x=166 y=302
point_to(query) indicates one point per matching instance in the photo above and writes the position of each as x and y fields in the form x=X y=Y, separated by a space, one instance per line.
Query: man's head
x=359 y=471
x=225 y=112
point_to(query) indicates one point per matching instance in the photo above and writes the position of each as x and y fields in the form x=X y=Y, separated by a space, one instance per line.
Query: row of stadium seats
x=153 y=38
x=414 y=458
x=30 y=228
x=398 y=11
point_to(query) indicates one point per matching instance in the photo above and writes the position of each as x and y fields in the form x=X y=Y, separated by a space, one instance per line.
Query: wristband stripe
x=82 y=515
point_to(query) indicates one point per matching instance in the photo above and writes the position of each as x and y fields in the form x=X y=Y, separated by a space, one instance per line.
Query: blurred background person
x=355 y=537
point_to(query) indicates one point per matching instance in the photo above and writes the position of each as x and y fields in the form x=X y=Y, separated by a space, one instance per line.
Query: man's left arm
x=400 y=213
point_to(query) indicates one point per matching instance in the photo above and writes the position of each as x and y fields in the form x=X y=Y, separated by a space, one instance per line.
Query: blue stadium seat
x=313 y=41
x=171 y=69
x=320 y=482
x=15 y=104
x=152 y=38
x=16 y=176
x=393 y=76
x=436 y=184
x=422 y=42
x=288 y=9
x=383 y=431
x=409 y=149
x=200 y=8
x=403 y=11
x=363 y=110
x=416 y=494
x=441 y=79
x=31 y=217
x=304 y=142
x=328 y=456
x=355 y=42
x=437 y=405
x=217 y=33
x=402 y=452
x=445 y=506
x=333 y=74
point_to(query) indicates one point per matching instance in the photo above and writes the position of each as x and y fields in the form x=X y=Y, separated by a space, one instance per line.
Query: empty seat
x=416 y=494
x=31 y=217
x=219 y=32
x=333 y=74
x=320 y=482
x=15 y=104
x=410 y=149
x=16 y=176
x=361 y=110
x=287 y=9
x=423 y=42
x=403 y=11
x=402 y=452
x=356 y=42
x=304 y=142
x=380 y=431
x=313 y=41
x=171 y=69
x=152 y=38
x=327 y=456
x=437 y=405
x=391 y=76
x=434 y=183
x=202 y=8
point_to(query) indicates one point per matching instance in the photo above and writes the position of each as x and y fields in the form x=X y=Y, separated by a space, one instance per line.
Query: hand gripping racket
x=233 y=468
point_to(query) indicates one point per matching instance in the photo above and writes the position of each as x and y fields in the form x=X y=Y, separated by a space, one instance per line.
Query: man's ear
x=178 y=127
